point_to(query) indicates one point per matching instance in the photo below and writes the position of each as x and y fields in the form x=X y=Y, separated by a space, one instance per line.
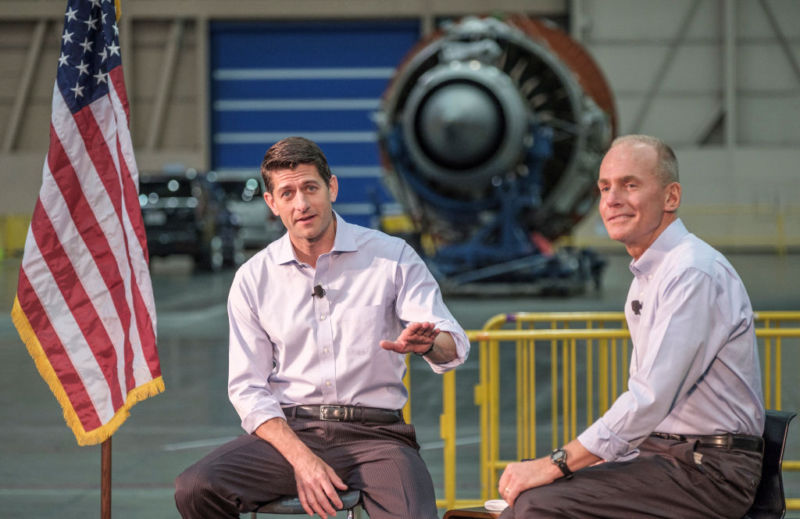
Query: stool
x=471 y=513
x=290 y=505
x=770 y=502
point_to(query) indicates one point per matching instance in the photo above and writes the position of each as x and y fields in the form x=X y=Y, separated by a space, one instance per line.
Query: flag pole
x=105 y=479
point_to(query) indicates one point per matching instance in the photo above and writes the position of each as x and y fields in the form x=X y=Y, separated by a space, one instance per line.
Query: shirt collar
x=666 y=241
x=343 y=242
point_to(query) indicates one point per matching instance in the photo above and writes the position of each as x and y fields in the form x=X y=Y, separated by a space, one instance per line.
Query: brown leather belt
x=719 y=441
x=344 y=413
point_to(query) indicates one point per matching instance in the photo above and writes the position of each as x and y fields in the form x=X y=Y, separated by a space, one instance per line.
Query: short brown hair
x=291 y=152
x=667 y=165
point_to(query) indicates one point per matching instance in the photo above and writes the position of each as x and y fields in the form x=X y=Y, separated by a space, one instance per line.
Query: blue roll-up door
x=318 y=80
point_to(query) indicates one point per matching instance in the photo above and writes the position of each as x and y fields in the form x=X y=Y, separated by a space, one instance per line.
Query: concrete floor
x=44 y=472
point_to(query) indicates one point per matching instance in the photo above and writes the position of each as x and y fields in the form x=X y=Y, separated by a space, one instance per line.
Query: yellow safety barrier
x=589 y=320
x=561 y=347
x=13 y=230
x=588 y=356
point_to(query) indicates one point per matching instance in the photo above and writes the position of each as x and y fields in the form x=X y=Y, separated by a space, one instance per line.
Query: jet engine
x=491 y=132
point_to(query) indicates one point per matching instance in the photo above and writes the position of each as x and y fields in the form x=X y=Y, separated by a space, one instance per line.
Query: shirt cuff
x=604 y=443
x=258 y=416
x=462 y=349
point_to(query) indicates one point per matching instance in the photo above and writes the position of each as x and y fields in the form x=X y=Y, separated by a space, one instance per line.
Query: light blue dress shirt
x=287 y=347
x=694 y=368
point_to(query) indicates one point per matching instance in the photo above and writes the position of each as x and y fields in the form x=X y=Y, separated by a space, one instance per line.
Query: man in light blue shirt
x=320 y=323
x=684 y=440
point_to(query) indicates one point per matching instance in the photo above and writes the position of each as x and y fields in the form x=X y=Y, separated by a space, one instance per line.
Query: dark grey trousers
x=668 y=479
x=383 y=461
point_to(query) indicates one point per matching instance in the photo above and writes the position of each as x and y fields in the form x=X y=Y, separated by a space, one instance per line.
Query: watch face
x=558 y=455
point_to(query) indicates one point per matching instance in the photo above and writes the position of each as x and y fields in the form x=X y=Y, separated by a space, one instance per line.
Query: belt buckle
x=332 y=413
x=729 y=440
x=670 y=436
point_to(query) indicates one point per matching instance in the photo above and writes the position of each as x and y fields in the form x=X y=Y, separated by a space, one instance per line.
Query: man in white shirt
x=685 y=439
x=320 y=323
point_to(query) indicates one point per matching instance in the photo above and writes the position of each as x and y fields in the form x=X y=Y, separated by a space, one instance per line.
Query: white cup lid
x=495 y=505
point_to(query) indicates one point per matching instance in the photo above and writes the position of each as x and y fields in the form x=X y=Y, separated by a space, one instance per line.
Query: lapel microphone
x=318 y=291
x=636 y=306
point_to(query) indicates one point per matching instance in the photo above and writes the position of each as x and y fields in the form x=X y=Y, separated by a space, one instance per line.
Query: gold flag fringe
x=47 y=372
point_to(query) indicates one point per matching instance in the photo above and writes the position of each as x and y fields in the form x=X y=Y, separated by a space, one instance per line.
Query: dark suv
x=185 y=213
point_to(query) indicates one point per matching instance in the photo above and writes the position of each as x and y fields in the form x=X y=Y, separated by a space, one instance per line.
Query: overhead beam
x=165 y=81
x=24 y=87
x=782 y=41
x=729 y=92
x=664 y=67
x=290 y=9
x=202 y=80
x=577 y=22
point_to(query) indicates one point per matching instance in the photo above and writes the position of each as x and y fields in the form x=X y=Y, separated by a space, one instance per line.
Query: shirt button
x=324 y=350
x=322 y=317
x=327 y=382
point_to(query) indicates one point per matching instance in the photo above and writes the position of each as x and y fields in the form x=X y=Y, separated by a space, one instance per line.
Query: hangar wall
x=719 y=79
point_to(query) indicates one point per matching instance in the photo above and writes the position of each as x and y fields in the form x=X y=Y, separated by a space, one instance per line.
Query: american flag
x=84 y=304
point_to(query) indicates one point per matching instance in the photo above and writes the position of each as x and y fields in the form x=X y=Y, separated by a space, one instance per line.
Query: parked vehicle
x=186 y=213
x=245 y=199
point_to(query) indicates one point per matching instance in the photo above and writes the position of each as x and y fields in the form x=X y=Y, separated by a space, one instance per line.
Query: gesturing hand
x=415 y=338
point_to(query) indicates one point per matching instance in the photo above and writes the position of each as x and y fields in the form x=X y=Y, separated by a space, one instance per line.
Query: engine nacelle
x=491 y=133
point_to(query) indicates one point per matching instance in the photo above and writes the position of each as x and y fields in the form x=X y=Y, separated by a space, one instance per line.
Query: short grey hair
x=667 y=165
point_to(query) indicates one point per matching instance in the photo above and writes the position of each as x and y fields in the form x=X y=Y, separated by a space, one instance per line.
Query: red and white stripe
x=85 y=302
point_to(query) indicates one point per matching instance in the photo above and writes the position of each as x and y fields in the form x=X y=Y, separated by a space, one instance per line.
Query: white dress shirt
x=288 y=347
x=694 y=368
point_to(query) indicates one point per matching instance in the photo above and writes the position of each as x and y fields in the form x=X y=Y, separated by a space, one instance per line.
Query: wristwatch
x=559 y=459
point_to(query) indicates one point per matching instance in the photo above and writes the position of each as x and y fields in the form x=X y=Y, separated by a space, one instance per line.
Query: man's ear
x=271 y=203
x=333 y=187
x=672 y=197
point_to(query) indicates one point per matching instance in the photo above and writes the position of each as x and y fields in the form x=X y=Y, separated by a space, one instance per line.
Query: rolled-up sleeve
x=419 y=299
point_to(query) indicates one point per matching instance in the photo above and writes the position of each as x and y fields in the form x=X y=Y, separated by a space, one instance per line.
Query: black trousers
x=669 y=479
x=382 y=461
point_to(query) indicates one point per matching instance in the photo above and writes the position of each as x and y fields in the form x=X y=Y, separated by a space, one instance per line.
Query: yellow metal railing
x=13 y=230
x=562 y=347
x=579 y=392
x=591 y=320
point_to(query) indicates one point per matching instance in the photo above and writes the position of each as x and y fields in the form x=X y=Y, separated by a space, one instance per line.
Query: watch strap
x=559 y=459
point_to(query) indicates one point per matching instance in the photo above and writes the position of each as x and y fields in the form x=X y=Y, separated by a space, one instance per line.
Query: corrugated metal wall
x=319 y=80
